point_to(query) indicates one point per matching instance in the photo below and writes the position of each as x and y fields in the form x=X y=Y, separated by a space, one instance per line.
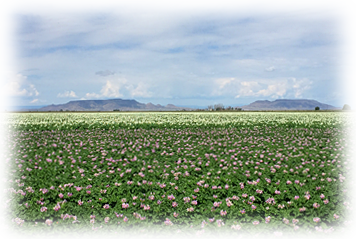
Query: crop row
x=148 y=120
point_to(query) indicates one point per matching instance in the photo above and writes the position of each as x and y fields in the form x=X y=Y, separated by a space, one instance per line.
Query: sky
x=185 y=58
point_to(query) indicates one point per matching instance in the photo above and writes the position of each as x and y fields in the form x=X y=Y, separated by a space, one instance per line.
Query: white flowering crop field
x=63 y=121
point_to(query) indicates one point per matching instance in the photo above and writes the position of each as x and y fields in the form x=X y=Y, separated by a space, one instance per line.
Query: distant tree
x=116 y=110
x=238 y=109
x=317 y=108
x=61 y=110
x=210 y=107
x=218 y=107
x=346 y=107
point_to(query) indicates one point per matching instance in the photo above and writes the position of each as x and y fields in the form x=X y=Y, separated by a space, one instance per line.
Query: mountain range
x=285 y=104
x=110 y=105
x=133 y=105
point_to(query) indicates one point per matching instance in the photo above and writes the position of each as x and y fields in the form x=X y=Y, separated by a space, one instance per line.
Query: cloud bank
x=172 y=58
x=67 y=94
x=17 y=85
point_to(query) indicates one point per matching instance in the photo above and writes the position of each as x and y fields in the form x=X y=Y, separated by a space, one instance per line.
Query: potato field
x=275 y=172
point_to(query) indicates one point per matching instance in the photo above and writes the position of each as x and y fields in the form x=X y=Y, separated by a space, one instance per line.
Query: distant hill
x=110 y=105
x=24 y=108
x=285 y=104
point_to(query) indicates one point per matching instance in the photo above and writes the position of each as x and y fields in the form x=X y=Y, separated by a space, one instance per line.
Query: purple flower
x=190 y=209
x=168 y=222
x=223 y=213
x=48 y=222
x=57 y=207
x=316 y=219
x=236 y=227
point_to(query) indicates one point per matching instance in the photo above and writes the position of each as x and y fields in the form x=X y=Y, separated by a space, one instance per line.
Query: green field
x=167 y=172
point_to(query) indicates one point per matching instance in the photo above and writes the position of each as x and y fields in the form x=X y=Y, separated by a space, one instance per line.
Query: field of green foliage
x=178 y=172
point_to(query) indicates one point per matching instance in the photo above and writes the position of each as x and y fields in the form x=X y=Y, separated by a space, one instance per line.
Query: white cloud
x=33 y=89
x=90 y=96
x=271 y=68
x=34 y=101
x=275 y=91
x=223 y=82
x=110 y=89
x=157 y=56
x=121 y=87
x=262 y=88
x=18 y=85
x=301 y=86
x=248 y=88
x=67 y=94
x=140 y=90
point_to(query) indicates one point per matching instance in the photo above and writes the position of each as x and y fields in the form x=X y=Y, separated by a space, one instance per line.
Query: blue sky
x=194 y=58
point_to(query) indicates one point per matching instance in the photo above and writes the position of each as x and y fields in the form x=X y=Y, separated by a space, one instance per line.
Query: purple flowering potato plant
x=261 y=175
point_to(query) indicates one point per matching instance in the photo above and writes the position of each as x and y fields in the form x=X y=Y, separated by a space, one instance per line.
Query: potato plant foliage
x=236 y=172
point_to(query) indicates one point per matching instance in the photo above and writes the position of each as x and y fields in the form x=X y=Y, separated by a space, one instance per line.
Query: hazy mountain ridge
x=109 y=105
x=133 y=105
x=24 y=108
x=288 y=104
